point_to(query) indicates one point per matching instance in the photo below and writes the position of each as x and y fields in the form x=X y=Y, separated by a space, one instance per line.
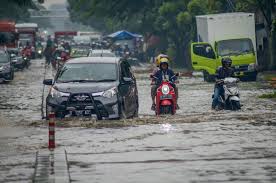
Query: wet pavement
x=196 y=145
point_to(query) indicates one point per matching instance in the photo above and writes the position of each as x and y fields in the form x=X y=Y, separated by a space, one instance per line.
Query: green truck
x=225 y=35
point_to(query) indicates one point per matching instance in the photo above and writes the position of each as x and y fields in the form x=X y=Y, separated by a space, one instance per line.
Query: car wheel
x=136 y=115
x=122 y=112
x=48 y=111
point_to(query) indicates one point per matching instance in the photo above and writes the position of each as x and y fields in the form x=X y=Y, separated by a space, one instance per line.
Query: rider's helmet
x=159 y=57
x=226 y=62
x=164 y=60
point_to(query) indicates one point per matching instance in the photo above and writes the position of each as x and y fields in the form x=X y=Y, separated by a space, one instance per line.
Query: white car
x=101 y=53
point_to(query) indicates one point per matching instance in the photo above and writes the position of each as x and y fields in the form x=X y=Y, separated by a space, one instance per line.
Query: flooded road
x=196 y=145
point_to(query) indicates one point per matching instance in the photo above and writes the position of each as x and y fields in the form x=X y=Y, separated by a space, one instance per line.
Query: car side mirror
x=127 y=79
x=48 y=82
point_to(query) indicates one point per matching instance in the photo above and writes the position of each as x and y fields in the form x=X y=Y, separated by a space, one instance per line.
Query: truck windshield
x=235 y=47
x=7 y=38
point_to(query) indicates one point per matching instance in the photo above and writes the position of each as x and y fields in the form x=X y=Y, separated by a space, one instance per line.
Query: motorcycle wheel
x=166 y=110
x=235 y=105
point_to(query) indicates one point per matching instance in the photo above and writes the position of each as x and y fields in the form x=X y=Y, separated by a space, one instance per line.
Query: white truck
x=225 y=35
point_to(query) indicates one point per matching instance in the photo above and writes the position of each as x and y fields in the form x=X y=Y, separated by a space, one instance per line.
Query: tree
x=15 y=9
x=172 y=20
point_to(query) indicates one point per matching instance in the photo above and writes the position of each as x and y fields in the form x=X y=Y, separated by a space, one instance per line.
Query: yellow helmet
x=164 y=60
x=159 y=57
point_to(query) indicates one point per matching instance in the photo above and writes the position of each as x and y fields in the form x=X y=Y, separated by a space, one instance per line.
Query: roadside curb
x=51 y=166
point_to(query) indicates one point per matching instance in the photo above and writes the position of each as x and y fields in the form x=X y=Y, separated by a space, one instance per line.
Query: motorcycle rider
x=48 y=50
x=153 y=84
x=164 y=73
x=222 y=73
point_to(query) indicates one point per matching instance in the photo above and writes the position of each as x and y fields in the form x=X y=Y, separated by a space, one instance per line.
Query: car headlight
x=4 y=67
x=251 y=67
x=110 y=93
x=57 y=94
x=165 y=89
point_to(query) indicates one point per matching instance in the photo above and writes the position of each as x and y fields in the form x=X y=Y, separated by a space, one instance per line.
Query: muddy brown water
x=196 y=145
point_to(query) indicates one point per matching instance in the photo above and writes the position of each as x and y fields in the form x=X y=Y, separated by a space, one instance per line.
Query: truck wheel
x=253 y=78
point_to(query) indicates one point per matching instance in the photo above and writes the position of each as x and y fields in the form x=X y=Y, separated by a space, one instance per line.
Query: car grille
x=80 y=99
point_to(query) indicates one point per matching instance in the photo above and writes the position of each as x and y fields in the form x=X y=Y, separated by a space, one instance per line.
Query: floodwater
x=196 y=145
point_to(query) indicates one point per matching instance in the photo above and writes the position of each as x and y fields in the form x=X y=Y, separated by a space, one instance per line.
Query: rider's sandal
x=153 y=106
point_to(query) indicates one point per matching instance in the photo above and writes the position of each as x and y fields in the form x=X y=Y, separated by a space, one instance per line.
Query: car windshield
x=13 y=53
x=234 y=47
x=3 y=58
x=88 y=72
x=103 y=54
x=7 y=38
x=80 y=52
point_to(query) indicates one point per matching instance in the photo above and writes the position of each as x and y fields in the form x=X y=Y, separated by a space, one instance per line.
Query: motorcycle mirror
x=177 y=74
x=151 y=76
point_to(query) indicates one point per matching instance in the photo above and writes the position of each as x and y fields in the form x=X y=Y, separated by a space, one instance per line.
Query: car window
x=88 y=72
x=102 y=54
x=4 y=57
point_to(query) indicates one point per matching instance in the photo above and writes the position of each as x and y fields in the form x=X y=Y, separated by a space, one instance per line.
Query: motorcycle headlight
x=39 y=51
x=165 y=89
x=57 y=94
x=1 y=68
x=251 y=67
x=110 y=93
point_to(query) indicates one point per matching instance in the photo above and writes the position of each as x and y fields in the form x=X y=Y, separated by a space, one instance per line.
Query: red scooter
x=165 y=99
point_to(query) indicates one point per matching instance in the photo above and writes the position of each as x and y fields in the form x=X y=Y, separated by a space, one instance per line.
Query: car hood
x=84 y=87
x=2 y=64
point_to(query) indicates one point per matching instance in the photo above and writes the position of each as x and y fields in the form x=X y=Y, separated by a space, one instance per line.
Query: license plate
x=166 y=97
x=83 y=112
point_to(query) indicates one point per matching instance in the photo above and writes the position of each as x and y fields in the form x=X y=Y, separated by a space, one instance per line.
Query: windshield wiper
x=105 y=80
x=77 y=81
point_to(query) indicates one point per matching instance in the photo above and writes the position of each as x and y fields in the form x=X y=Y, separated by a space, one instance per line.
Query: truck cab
x=221 y=42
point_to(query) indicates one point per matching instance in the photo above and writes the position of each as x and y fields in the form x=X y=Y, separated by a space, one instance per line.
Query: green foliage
x=269 y=95
x=172 y=20
x=15 y=9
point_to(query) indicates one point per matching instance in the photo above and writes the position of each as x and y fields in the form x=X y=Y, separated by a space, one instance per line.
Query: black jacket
x=223 y=73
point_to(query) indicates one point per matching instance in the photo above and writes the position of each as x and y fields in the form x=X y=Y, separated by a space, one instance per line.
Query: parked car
x=87 y=86
x=79 y=52
x=16 y=58
x=6 y=67
x=101 y=53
